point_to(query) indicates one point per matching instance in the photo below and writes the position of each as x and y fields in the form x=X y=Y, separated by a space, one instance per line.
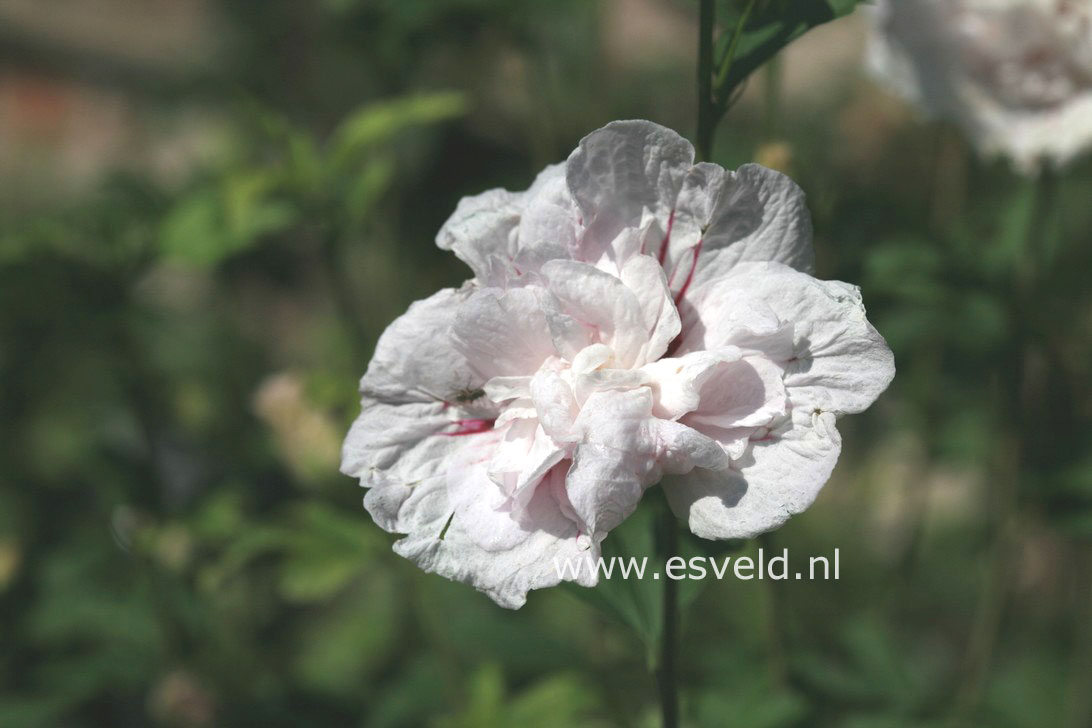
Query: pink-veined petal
x=751 y=214
x=619 y=172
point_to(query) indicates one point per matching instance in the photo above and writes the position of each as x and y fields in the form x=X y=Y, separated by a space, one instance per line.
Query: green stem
x=1078 y=709
x=949 y=188
x=986 y=629
x=707 y=121
x=667 y=666
x=1017 y=396
x=775 y=645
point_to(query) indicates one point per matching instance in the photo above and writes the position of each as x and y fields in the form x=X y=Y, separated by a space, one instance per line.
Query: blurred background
x=210 y=209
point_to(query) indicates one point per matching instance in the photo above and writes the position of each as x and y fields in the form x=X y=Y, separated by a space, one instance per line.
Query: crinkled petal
x=415 y=359
x=751 y=214
x=383 y=434
x=601 y=304
x=506 y=389
x=521 y=459
x=645 y=277
x=408 y=396
x=676 y=382
x=745 y=393
x=619 y=172
x=722 y=313
x=548 y=228
x=532 y=562
x=761 y=216
x=482 y=232
x=585 y=385
x=780 y=477
x=605 y=485
x=839 y=362
x=623 y=450
x=555 y=405
x=680 y=449
x=500 y=333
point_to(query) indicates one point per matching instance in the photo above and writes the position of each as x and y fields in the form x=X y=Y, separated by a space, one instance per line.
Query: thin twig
x=730 y=53
x=667 y=667
x=1017 y=397
x=775 y=645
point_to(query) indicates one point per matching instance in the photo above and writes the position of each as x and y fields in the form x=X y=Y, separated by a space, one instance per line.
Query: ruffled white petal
x=753 y=214
x=482 y=232
x=781 y=476
x=645 y=277
x=499 y=333
x=625 y=449
x=505 y=575
x=839 y=362
x=602 y=304
x=622 y=172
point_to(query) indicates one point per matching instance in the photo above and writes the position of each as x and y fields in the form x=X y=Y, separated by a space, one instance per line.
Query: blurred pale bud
x=178 y=699
x=11 y=558
x=307 y=439
x=775 y=155
x=173 y=546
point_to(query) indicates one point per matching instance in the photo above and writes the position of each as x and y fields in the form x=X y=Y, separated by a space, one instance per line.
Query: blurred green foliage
x=179 y=360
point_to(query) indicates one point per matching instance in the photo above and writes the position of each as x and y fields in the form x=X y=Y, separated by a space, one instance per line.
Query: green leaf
x=365 y=189
x=339 y=647
x=555 y=701
x=193 y=231
x=636 y=603
x=377 y=123
x=767 y=27
x=417 y=691
x=328 y=553
x=221 y=220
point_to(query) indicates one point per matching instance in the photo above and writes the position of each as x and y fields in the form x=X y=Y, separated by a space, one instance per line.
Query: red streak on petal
x=690 y=275
x=470 y=427
x=667 y=237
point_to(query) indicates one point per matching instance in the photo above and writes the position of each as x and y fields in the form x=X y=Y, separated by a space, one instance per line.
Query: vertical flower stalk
x=635 y=319
x=706 y=112
x=667 y=674
x=1016 y=397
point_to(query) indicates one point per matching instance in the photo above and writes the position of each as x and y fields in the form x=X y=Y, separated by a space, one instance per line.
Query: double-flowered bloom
x=634 y=318
x=1016 y=74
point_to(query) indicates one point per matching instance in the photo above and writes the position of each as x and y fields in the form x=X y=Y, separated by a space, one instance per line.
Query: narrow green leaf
x=377 y=123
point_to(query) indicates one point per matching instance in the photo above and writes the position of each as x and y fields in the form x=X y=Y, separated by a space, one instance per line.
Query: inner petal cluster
x=582 y=382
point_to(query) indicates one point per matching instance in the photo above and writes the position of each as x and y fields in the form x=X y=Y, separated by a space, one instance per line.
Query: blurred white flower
x=1016 y=74
x=633 y=317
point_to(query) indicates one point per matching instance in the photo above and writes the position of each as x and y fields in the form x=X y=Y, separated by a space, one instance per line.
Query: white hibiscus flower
x=634 y=318
x=1016 y=74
